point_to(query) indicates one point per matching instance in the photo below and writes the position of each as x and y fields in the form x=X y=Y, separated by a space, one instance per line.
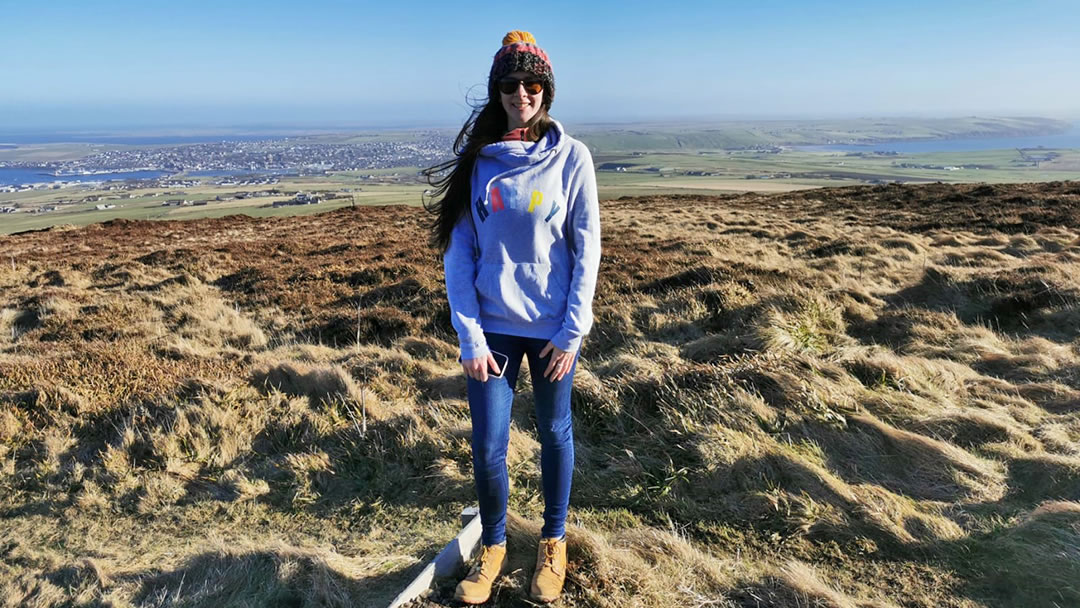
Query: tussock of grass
x=976 y=428
x=1061 y=438
x=917 y=465
x=1033 y=562
x=196 y=313
x=803 y=586
x=15 y=322
x=814 y=325
x=1046 y=476
x=273 y=575
x=320 y=384
x=428 y=348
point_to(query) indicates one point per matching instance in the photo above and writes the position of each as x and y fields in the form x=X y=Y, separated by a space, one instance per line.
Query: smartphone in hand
x=500 y=359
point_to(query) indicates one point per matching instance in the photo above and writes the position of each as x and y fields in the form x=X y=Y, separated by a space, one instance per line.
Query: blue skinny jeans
x=489 y=404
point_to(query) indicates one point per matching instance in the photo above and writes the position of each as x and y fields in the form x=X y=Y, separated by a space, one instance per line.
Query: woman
x=518 y=221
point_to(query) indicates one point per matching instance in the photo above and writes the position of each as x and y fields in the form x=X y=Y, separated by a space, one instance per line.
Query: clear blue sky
x=380 y=63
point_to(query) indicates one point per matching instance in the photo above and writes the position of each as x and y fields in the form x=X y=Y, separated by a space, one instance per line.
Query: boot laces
x=478 y=568
x=549 y=554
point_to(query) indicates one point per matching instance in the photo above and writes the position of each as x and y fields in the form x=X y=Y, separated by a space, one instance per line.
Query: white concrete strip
x=459 y=551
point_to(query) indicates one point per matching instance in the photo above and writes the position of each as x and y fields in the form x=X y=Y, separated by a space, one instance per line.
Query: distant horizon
x=315 y=126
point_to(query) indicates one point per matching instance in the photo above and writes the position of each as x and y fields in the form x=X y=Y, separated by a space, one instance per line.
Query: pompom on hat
x=520 y=53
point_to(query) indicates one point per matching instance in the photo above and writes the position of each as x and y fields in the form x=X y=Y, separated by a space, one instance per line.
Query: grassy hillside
x=340 y=190
x=761 y=133
x=858 y=397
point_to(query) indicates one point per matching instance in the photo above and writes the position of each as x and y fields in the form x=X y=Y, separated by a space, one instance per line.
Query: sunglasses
x=509 y=86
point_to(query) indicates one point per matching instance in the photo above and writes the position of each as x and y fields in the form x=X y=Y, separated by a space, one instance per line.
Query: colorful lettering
x=554 y=210
x=537 y=198
x=481 y=210
x=496 y=200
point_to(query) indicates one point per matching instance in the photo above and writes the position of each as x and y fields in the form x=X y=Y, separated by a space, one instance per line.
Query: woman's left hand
x=560 y=363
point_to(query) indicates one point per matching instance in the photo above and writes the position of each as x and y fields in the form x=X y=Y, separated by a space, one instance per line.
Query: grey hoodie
x=524 y=260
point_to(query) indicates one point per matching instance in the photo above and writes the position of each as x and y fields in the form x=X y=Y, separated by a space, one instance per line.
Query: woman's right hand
x=477 y=369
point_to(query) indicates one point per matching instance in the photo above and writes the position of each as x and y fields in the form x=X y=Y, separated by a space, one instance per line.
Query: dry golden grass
x=866 y=397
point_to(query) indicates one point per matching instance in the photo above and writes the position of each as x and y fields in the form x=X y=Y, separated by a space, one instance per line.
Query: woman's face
x=520 y=106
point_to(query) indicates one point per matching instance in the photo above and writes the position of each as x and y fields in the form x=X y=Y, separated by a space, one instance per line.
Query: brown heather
x=856 y=398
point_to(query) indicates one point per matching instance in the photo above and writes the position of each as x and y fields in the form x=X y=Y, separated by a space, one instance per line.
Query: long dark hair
x=450 y=180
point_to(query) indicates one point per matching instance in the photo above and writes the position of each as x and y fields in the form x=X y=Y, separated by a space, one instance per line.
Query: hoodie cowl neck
x=516 y=153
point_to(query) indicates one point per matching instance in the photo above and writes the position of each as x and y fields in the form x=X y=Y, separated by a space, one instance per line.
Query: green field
x=43 y=153
x=762 y=171
x=762 y=133
x=148 y=204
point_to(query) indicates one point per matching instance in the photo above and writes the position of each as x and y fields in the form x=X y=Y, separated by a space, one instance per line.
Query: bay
x=10 y=176
x=1069 y=139
x=27 y=138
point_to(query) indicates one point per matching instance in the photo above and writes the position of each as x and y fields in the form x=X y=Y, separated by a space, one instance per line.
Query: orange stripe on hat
x=518 y=36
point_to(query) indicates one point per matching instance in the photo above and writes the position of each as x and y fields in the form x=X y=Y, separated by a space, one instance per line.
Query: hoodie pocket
x=521 y=293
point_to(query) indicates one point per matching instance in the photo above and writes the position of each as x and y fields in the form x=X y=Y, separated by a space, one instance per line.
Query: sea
x=123 y=140
x=15 y=177
x=1069 y=139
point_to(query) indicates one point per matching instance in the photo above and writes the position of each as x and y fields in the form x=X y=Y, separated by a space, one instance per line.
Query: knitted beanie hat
x=519 y=52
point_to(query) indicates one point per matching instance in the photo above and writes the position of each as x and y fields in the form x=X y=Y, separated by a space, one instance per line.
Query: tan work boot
x=476 y=588
x=550 y=574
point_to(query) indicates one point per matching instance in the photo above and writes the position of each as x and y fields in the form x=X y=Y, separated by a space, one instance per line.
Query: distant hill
x=749 y=134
